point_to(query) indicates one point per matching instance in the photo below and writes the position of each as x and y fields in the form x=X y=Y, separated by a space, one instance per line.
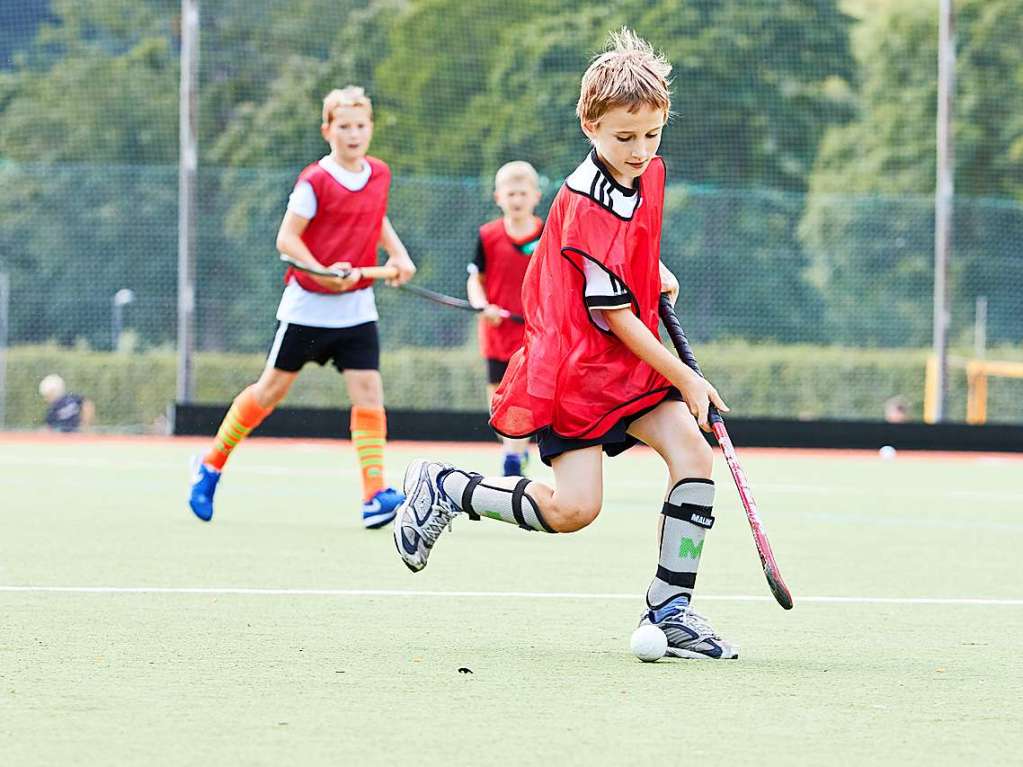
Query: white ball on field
x=887 y=452
x=648 y=643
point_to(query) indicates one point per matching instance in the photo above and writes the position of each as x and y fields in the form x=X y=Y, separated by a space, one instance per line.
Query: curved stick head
x=778 y=588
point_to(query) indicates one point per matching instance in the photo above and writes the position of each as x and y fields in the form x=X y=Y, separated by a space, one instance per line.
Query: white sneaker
x=690 y=635
x=424 y=514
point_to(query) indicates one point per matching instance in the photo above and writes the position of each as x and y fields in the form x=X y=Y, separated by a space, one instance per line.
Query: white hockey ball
x=887 y=452
x=648 y=643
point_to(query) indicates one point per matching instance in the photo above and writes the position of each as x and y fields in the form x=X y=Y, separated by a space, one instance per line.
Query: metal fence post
x=5 y=303
x=188 y=164
x=943 y=200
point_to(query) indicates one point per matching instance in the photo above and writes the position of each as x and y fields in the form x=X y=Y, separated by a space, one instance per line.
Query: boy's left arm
x=397 y=255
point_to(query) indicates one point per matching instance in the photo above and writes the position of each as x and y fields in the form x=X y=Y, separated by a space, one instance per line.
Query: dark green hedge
x=132 y=391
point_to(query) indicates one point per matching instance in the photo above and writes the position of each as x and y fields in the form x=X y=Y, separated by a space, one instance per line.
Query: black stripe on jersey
x=593 y=180
x=616 y=284
x=608 y=302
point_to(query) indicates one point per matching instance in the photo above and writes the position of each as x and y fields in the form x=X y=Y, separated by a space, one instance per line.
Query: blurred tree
x=247 y=45
x=438 y=60
x=278 y=124
x=110 y=95
x=19 y=23
x=461 y=87
x=755 y=86
x=527 y=110
x=869 y=221
x=89 y=120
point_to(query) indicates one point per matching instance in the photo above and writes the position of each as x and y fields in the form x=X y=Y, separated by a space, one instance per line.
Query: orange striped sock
x=369 y=435
x=244 y=416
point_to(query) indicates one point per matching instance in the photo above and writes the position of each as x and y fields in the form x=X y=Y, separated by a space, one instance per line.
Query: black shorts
x=616 y=441
x=354 y=348
x=495 y=370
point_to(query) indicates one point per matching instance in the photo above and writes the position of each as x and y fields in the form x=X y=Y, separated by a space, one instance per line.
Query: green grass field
x=282 y=633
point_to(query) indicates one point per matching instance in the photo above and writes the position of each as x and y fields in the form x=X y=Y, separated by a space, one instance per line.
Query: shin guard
x=502 y=498
x=687 y=516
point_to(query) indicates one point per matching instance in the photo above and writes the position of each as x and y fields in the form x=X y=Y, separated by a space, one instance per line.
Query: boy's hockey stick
x=368 y=272
x=717 y=423
x=454 y=303
x=386 y=272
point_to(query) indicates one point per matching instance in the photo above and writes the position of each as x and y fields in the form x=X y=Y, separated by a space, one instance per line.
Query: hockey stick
x=717 y=423
x=387 y=272
x=368 y=272
x=454 y=303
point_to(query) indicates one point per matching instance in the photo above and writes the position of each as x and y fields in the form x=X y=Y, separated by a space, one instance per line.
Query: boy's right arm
x=290 y=243
x=696 y=390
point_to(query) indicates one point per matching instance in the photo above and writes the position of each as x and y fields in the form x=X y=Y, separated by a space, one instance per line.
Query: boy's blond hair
x=516 y=170
x=349 y=96
x=629 y=73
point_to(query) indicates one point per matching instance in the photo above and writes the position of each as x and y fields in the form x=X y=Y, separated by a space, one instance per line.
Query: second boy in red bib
x=495 y=282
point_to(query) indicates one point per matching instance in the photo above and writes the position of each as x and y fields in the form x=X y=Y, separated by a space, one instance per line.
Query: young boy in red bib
x=495 y=282
x=336 y=217
x=592 y=376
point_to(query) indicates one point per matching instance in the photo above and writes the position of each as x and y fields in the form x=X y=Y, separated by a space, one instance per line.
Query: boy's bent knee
x=702 y=451
x=700 y=458
x=570 y=517
x=690 y=457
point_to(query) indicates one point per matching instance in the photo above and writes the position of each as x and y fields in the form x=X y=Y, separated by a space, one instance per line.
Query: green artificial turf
x=276 y=673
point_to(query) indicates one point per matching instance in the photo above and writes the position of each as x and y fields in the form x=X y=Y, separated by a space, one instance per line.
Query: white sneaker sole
x=677 y=652
x=413 y=475
x=378 y=520
x=414 y=566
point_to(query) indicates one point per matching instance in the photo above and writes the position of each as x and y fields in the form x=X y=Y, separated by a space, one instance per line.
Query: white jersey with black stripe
x=603 y=291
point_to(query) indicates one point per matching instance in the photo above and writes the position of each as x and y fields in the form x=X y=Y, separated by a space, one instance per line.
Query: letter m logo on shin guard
x=687 y=549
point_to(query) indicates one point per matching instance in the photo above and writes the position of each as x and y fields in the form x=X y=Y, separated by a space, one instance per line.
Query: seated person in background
x=67 y=412
x=896 y=410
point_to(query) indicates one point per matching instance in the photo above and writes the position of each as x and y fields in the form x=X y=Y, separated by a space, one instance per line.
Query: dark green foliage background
x=800 y=156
